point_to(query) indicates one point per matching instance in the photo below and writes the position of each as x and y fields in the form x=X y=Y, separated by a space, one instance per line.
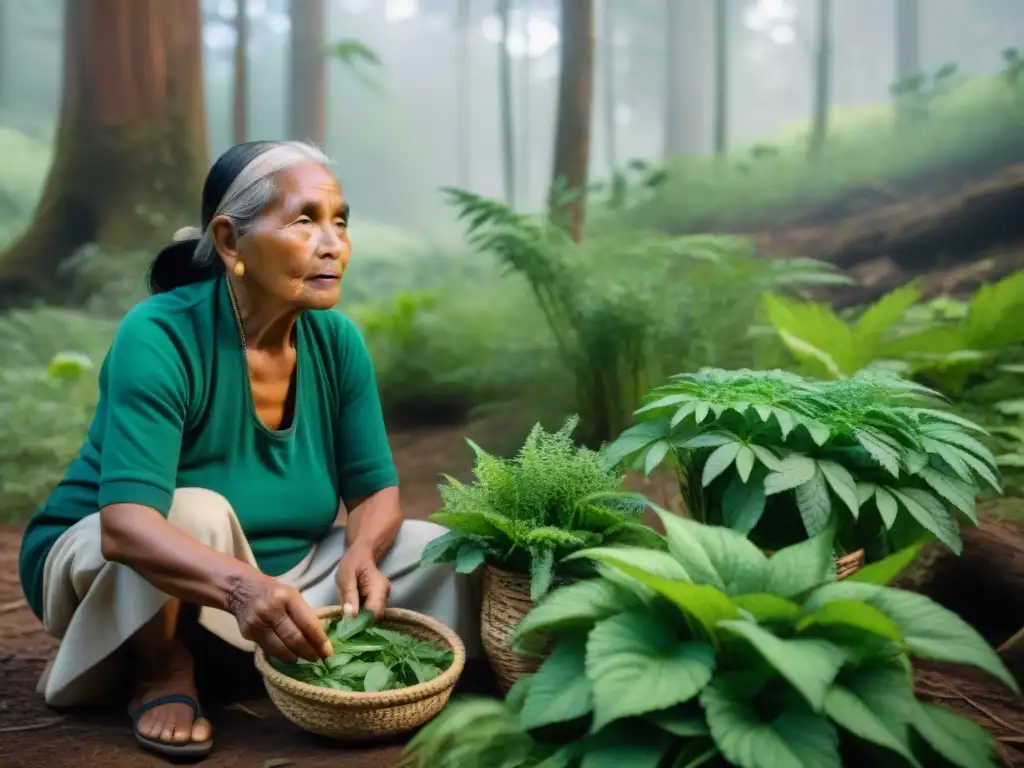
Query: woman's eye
x=303 y=220
x=342 y=223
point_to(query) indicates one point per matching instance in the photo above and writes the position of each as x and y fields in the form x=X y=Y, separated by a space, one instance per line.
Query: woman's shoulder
x=178 y=318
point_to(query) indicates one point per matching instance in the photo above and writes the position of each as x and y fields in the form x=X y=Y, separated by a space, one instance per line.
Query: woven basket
x=506 y=601
x=352 y=716
x=847 y=565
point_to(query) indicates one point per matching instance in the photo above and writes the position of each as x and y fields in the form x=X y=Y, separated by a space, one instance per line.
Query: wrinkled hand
x=360 y=582
x=278 y=620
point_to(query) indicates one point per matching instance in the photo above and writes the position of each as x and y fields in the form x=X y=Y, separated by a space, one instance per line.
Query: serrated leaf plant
x=526 y=513
x=716 y=654
x=780 y=457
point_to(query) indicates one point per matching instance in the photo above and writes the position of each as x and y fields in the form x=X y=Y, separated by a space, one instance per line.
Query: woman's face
x=299 y=247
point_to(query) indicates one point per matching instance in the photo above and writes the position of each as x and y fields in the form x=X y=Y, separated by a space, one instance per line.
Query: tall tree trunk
x=240 y=106
x=908 y=39
x=508 y=133
x=130 y=151
x=689 y=76
x=607 y=41
x=822 y=80
x=721 y=77
x=463 y=110
x=307 y=113
x=525 y=119
x=575 y=102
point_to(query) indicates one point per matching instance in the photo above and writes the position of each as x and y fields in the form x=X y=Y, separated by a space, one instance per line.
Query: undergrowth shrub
x=713 y=654
x=525 y=514
x=780 y=457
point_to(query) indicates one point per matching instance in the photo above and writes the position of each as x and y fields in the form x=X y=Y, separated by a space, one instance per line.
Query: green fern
x=528 y=512
x=781 y=457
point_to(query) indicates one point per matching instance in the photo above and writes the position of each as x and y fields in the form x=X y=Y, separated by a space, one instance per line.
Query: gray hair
x=251 y=192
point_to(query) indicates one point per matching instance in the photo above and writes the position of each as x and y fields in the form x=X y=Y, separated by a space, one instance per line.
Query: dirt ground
x=250 y=733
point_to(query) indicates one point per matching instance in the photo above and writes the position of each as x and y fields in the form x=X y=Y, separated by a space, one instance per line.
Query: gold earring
x=239 y=269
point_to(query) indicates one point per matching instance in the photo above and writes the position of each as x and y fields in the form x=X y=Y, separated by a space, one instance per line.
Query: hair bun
x=187 y=233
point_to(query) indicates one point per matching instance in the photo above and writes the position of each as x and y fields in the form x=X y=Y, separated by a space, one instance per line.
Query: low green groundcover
x=368 y=659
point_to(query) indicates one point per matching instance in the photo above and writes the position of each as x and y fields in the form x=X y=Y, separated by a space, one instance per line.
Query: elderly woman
x=233 y=427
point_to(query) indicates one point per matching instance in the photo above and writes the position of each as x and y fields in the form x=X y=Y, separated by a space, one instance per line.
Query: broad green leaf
x=719 y=461
x=377 y=678
x=888 y=508
x=886 y=457
x=872 y=705
x=801 y=567
x=632 y=441
x=815 y=504
x=470 y=556
x=842 y=484
x=931 y=516
x=962 y=742
x=930 y=631
x=849 y=613
x=793 y=471
x=443 y=549
x=765 y=456
x=637 y=664
x=767 y=608
x=622 y=745
x=685 y=721
x=559 y=691
x=575 y=606
x=651 y=560
x=794 y=739
x=888 y=568
x=810 y=665
x=469 y=522
x=706 y=604
x=542 y=572
x=714 y=555
x=955 y=491
x=743 y=503
x=655 y=455
x=744 y=462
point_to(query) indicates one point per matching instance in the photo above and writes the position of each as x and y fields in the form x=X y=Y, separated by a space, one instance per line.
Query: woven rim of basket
x=849 y=564
x=379 y=699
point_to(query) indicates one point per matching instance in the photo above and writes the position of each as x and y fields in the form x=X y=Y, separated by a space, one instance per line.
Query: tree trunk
x=525 y=119
x=463 y=111
x=575 y=101
x=308 y=69
x=240 y=106
x=721 y=76
x=689 y=76
x=822 y=80
x=607 y=38
x=130 y=151
x=908 y=39
x=508 y=133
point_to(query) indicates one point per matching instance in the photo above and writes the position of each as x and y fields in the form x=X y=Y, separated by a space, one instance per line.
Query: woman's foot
x=174 y=724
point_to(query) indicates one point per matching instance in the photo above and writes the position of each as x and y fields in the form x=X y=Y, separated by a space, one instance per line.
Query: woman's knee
x=201 y=513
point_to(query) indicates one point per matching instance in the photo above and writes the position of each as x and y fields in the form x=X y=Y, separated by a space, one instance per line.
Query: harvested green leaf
x=368 y=659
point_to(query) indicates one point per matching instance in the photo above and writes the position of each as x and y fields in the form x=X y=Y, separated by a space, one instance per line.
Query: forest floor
x=250 y=733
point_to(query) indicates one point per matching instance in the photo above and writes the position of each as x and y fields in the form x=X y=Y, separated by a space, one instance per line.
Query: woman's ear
x=225 y=240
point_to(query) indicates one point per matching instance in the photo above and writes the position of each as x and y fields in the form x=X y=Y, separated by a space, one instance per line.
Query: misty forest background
x=556 y=202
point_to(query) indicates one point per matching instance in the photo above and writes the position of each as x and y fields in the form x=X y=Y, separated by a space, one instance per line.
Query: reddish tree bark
x=575 y=102
x=130 y=151
x=307 y=113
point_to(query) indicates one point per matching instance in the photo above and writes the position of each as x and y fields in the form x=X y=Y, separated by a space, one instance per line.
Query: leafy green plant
x=715 y=654
x=616 y=302
x=781 y=457
x=526 y=513
x=825 y=344
x=368 y=659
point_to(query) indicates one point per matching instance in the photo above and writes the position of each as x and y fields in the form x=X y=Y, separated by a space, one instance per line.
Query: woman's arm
x=373 y=521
